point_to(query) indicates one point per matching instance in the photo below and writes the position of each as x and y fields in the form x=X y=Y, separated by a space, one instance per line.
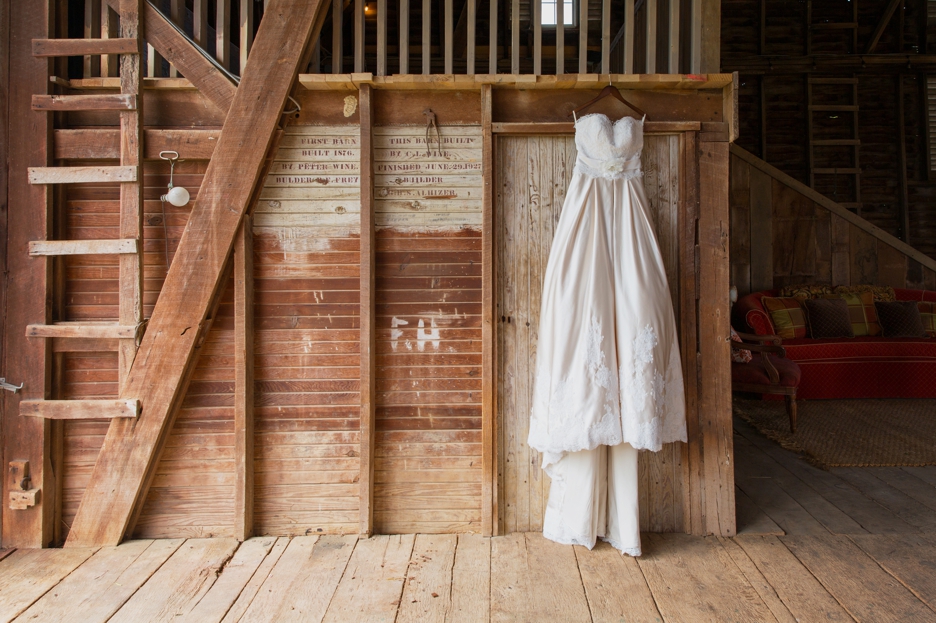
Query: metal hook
x=10 y=387
x=298 y=108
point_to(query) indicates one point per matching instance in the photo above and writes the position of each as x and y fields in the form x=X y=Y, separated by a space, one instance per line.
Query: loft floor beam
x=166 y=353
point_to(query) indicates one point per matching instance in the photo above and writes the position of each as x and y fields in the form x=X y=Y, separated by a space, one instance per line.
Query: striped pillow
x=787 y=315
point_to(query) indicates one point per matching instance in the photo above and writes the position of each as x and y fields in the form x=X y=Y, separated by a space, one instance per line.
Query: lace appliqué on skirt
x=556 y=422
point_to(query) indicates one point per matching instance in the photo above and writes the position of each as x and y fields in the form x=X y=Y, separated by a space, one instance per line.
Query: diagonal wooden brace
x=158 y=376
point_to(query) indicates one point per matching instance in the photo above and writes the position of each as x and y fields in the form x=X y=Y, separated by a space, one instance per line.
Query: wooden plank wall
x=532 y=176
x=307 y=323
x=428 y=443
x=781 y=236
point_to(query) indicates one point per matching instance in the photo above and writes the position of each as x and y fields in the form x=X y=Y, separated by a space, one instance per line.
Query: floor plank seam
x=821 y=583
x=143 y=583
x=341 y=579
x=591 y=614
x=909 y=588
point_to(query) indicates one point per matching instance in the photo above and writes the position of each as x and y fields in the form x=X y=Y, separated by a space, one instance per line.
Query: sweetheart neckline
x=608 y=119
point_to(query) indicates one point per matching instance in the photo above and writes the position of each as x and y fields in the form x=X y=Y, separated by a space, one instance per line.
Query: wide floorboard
x=846 y=545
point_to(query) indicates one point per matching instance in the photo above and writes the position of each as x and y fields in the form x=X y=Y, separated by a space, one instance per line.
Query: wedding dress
x=608 y=374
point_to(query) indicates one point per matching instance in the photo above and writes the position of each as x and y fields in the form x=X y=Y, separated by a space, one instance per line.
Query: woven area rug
x=850 y=433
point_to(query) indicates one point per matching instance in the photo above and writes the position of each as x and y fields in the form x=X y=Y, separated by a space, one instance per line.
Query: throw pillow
x=739 y=356
x=880 y=293
x=928 y=316
x=900 y=318
x=806 y=291
x=787 y=316
x=861 y=312
x=828 y=318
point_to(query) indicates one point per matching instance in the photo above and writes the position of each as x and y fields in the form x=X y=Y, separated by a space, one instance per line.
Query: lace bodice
x=607 y=149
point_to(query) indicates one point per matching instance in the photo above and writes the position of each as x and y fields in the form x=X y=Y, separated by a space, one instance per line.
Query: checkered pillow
x=861 y=312
x=787 y=316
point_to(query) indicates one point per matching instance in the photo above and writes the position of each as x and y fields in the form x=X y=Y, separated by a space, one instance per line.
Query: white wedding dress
x=608 y=374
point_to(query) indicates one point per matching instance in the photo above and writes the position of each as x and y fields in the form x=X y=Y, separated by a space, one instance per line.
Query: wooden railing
x=444 y=36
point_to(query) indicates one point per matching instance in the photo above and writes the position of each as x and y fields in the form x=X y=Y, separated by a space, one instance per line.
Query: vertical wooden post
x=25 y=360
x=488 y=382
x=628 y=42
x=673 y=36
x=710 y=52
x=652 y=13
x=560 y=37
x=515 y=37
x=223 y=33
x=368 y=329
x=200 y=23
x=404 y=36
x=359 y=35
x=449 y=19
x=92 y=30
x=246 y=31
x=426 y=37
x=131 y=193
x=472 y=35
x=337 y=43
x=109 y=62
x=714 y=410
x=695 y=37
x=583 y=37
x=492 y=45
x=904 y=208
x=538 y=36
x=243 y=381
x=381 y=37
x=606 y=36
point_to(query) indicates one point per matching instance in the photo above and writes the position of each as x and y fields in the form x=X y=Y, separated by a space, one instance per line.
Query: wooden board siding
x=428 y=442
x=782 y=236
x=307 y=349
x=532 y=176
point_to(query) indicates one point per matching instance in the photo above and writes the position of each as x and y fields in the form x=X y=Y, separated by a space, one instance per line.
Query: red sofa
x=852 y=367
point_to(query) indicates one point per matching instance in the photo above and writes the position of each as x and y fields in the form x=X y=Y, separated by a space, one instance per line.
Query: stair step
x=84 y=47
x=836 y=141
x=81 y=409
x=833 y=81
x=102 y=330
x=84 y=102
x=84 y=247
x=834 y=107
x=78 y=175
x=834 y=25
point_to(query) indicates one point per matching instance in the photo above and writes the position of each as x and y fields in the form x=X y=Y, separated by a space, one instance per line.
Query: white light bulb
x=177 y=196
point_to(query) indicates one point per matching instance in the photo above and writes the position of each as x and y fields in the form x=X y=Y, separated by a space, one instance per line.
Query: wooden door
x=532 y=175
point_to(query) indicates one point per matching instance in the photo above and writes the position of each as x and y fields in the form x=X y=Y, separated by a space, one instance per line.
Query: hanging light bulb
x=176 y=195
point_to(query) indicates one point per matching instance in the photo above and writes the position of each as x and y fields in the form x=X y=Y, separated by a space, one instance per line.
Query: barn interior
x=299 y=389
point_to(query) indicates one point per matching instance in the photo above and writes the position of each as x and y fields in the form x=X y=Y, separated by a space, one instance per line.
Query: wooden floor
x=853 y=544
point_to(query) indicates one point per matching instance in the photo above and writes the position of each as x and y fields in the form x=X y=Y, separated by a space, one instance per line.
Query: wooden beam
x=80 y=409
x=381 y=37
x=83 y=247
x=882 y=24
x=471 y=36
x=515 y=35
x=404 y=36
x=223 y=33
x=78 y=175
x=606 y=36
x=166 y=356
x=426 y=37
x=103 y=330
x=903 y=219
x=105 y=144
x=25 y=144
x=246 y=31
x=368 y=312
x=583 y=37
x=650 y=6
x=184 y=56
x=243 y=381
x=711 y=36
x=560 y=38
x=673 y=65
x=492 y=34
x=449 y=31
x=81 y=47
x=337 y=31
x=84 y=102
x=488 y=336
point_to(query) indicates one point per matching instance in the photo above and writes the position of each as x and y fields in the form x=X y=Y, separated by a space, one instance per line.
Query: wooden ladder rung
x=110 y=101
x=81 y=409
x=83 y=47
x=836 y=141
x=84 y=247
x=833 y=81
x=78 y=175
x=836 y=171
x=83 y=330
x=834 y=108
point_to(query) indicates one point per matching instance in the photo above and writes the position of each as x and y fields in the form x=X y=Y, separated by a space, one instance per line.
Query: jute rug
x=850 y=433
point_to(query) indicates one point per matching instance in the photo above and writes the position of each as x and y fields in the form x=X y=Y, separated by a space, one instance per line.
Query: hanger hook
x=172 y=160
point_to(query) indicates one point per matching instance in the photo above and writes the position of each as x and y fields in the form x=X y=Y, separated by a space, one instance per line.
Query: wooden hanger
x=612 y=91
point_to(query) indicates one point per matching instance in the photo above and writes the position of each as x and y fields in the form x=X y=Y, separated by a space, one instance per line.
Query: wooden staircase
x=127 y=329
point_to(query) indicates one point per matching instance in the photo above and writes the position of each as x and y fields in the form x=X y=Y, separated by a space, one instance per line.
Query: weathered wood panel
x=532 y=176
x=307 y=330
x=428 y=443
